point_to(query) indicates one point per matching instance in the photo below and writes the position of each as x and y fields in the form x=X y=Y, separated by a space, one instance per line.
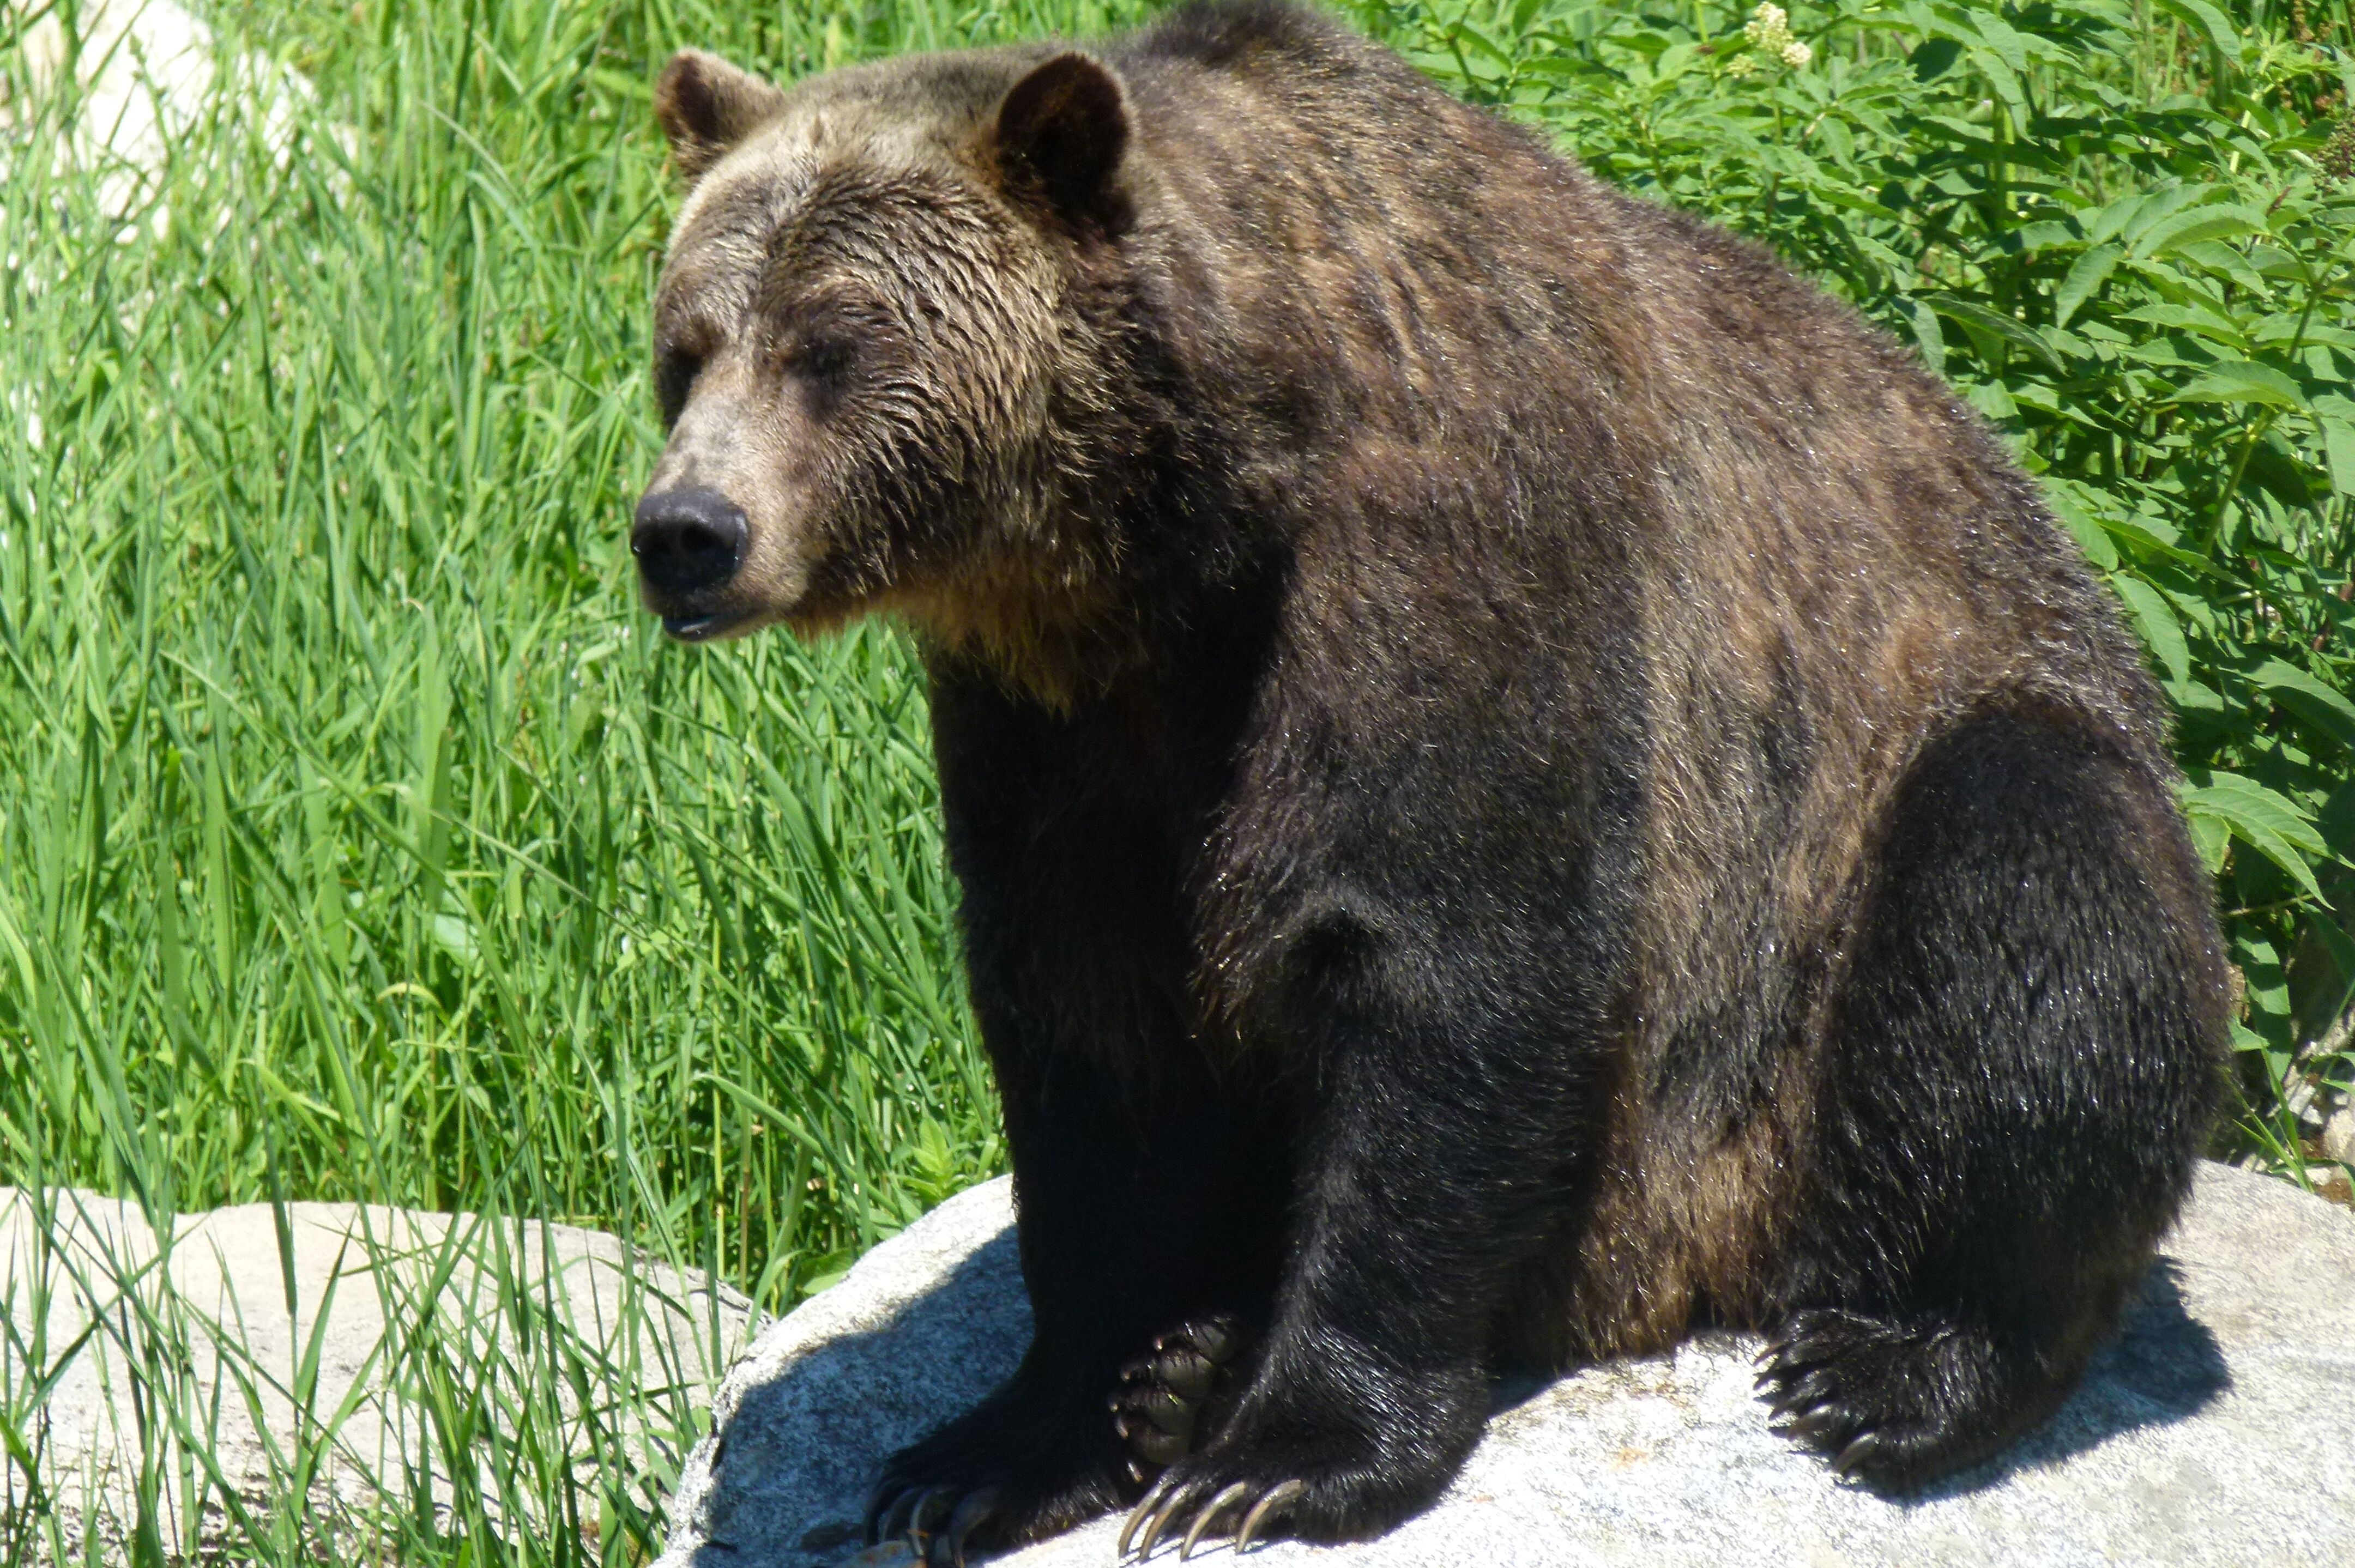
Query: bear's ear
x=1060 y=135
x=707 y=106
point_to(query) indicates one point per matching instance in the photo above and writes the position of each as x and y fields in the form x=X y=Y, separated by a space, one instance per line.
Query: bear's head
x=881 y=394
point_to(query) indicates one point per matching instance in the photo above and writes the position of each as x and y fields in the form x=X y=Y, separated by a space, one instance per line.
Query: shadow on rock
x=2162 y=1366
x=2170 y=1453
x=795 y=1459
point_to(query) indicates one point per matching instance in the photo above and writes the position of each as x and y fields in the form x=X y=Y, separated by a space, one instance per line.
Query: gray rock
x=95 y=1308
x=2339 y=1136
x=2213 y=1430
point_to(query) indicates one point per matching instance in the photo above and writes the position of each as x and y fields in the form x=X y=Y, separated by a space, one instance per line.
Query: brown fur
x=1466 y=702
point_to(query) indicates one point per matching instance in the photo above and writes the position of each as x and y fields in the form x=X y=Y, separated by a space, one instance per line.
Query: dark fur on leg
x=1147 y=1193
x=2014 y=1101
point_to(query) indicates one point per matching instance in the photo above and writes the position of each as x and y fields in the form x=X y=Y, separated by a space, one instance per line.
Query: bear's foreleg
x=1440 y=1154
x=1148 y=1195
x=1126 y=1226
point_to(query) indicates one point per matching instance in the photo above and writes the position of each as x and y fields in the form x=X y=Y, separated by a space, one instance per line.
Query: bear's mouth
x=703 y=628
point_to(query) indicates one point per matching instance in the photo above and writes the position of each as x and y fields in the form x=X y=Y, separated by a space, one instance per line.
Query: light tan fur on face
x=930 y=490
x=732 y=436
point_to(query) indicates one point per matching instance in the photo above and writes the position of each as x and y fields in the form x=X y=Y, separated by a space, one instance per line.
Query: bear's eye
x=675 y=373
x=825 y=356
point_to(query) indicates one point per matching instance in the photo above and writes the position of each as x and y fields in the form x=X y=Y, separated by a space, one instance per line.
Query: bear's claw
x=912 y=1512
x=1278 y=1500
x=1891 y=1404
x=1209 y=1512
x=1163 y=1503
x=1802 y=1386
x=972 y=1510
x=899 y=1510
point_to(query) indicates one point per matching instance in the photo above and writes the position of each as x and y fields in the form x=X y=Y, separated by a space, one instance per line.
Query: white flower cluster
x=1769 y=32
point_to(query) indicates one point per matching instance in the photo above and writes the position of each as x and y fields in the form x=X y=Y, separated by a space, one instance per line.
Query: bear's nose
x=687 y=539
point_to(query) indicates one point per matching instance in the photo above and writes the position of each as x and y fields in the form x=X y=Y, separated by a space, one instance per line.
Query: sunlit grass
x=356 y=840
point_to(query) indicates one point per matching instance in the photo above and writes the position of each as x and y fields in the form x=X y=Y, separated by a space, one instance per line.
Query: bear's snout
x=688 y=541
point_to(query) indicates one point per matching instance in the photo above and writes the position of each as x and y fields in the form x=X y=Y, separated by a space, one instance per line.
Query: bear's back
x=1426 y=335
x=1563 y=470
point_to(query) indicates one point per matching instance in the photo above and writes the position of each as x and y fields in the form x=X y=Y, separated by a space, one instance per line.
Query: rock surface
x=2339 y=1136
x=148 y=73
x=2213 y=1430
x=387 y=1296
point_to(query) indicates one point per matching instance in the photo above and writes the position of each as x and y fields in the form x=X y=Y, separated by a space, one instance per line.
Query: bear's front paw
x=1000 y=1476
x=1256 y=1479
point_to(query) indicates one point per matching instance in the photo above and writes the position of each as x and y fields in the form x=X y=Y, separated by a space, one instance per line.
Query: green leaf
x=2244 y=381
x=2268 y=822
x=2273 y=261
x=2310 y=699
x=2339 y=448
x=1933 y=57
x=1992 y=398
x=2243 y=799
x=1464 y=33
x=1932 y=342
x=2161 y=631
x=2006 y=327
x=2039 y=236
x=2112 y=219
x=2225 y=259
x=2195 y=697
x=2211 y=836
x=2091 y=536
x=2196 y=224
x=2202 y=318
x=628 y=86
x=2136 y=534
x=2261 y=837
x=2001 y=38
x=1564 y=65
x=2218 y=28
x=2145 y=212
x=2084 y=277
x=2001 y=75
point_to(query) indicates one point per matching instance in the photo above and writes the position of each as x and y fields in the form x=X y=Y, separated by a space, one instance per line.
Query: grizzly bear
x=1522 y=781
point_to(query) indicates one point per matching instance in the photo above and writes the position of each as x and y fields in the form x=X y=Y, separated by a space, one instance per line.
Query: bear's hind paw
x=1176 y=1394
x=1892 y=1405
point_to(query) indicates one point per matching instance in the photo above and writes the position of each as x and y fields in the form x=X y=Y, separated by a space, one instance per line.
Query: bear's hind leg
x=1897 y=1403
x=2021 y=1053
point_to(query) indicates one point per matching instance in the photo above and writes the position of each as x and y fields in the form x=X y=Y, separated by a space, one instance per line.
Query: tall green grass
x=357 y=840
